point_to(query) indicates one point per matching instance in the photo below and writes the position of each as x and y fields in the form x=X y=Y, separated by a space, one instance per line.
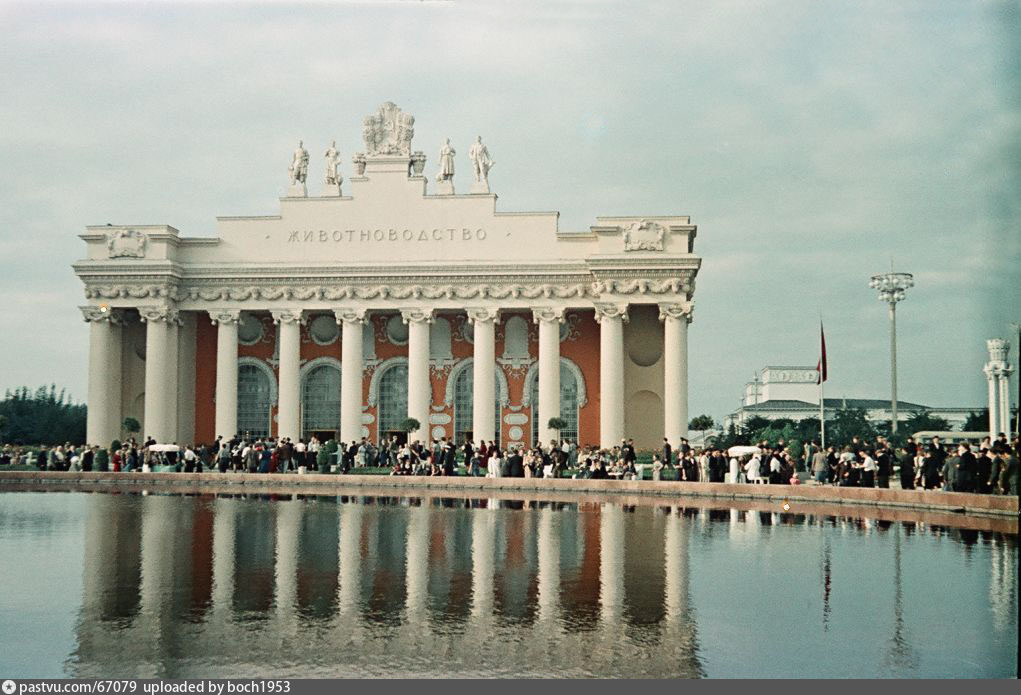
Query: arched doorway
x=464 y=405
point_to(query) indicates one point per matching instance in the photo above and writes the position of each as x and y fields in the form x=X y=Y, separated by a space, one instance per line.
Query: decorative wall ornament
x=543 y=314
x=464 y=332
x=227 y=316
x=388 y=131
x=101 y=313
x=468 y=363
x=533 y=374
x=126 y=243
x=569 y=330
x=644 y=235
x=159 y=313
x=677 y=310
x=607 y=310
x=288 y=316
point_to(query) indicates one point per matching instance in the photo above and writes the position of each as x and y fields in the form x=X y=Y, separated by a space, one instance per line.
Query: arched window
x=568 y=405
x=464 y=406
x=254 y=399
x=320 y=400
x=393 y=400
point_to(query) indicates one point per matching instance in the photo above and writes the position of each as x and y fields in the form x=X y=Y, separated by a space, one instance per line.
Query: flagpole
x=822 y=380
x=822 y=416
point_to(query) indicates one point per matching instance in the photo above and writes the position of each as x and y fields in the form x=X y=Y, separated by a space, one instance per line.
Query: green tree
x=924 y=420
x=131 y=425
x=978 y=421
x=702 y=423
x=848 y=423
x=410 y=425
x=45 y=416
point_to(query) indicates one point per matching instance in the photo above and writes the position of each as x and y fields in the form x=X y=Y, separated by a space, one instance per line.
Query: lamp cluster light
x=891 y=286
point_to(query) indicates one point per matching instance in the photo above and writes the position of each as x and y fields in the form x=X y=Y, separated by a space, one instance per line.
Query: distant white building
x=792 y=393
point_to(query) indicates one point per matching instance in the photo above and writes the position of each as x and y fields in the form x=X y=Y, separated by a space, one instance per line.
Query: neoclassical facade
x=351 y=310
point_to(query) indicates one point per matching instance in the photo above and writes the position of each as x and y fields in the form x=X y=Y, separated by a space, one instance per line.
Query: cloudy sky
x=810 y=141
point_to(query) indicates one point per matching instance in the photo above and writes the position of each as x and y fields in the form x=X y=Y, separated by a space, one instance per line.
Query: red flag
x=821 y=367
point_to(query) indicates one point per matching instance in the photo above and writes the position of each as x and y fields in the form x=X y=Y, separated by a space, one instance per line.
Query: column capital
x=349 y=315
x=224 y=316
x=483 y=314
x=417 y=315
x=676 y=310
x=157 y=314
x=288 y=316
x=100 y=313
x=547 y=314
x=609 y=310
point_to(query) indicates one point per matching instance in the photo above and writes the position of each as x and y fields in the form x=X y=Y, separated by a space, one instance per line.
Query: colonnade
x=998 y=371
x=161 y=370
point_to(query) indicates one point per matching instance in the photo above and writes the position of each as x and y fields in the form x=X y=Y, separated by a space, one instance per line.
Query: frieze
x=368 y=292
x=322 y=236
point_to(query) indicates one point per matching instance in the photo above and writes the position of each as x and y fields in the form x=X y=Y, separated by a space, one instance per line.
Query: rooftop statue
x=481 y=161
x=446 y=172
x=299 y=164
x=333 y=178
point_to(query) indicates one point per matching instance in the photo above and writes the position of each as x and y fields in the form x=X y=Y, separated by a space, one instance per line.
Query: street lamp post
x=891 y=287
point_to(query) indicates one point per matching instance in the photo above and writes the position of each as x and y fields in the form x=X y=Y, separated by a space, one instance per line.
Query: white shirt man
x=753 y=469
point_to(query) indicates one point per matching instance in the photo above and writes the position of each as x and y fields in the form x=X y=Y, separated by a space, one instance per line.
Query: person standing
x=907 y=469
x=966 y=469
x=884 y=466
x=820 y=466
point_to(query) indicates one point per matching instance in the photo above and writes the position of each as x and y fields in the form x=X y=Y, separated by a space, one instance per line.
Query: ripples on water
x=122 y=585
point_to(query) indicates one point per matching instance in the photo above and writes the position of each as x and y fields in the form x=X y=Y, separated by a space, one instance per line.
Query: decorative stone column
x=419 y=387
x=160 y=372
x=611 y=319
x=289 y=414
x=990 y=373
x=484 y=372
x=549 y=320
x=352 y=363
x=675 y=318
x=104 y=407
x=226 y=322
x=1004 y=378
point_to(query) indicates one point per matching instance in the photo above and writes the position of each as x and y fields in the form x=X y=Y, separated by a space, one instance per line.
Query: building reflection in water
x=316 y=585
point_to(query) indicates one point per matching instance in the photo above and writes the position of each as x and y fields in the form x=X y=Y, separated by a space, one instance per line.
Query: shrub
x=101 y=462
x=325 y=455
x=557 y=423
x=410 y=425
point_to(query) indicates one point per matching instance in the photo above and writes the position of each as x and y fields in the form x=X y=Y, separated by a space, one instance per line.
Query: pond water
x=156 y=585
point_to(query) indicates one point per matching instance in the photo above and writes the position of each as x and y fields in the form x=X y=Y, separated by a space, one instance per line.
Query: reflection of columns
x=226 y=321
x=483 y=373
x=289 y=416
x=160 y=372
x=224 y=528
x=419 y=386
x=104 y=406
x=675 y=318
x=483 y=565
x=286 y=567
x=163 y=532
x=350 y=557
x=417 y=557
x=549 y=320
x=611 y=319
x=548 y=551
x=676 y=552
x=611 y=562
x=351 y=368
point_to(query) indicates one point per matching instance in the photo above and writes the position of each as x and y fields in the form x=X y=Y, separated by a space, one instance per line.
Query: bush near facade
x=325 y=455
x=101 y=462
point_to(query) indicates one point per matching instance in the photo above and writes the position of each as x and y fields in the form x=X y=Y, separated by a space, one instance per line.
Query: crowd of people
x=990 y=467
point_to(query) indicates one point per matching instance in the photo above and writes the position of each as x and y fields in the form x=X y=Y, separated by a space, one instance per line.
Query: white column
x=549 y=320
x=160 y=372
x=1005 y=401
x=226 y=322
x=484 y=373
x=352 y=363
x=419 y=386
x=993 y=400
x=187 y=347
x=104 y=406
x=611 y=319
x=289 y=414
x=675 y=318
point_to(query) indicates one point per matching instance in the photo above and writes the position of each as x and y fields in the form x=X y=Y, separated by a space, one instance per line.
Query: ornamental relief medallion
x=644 y=236
x=126 y=243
